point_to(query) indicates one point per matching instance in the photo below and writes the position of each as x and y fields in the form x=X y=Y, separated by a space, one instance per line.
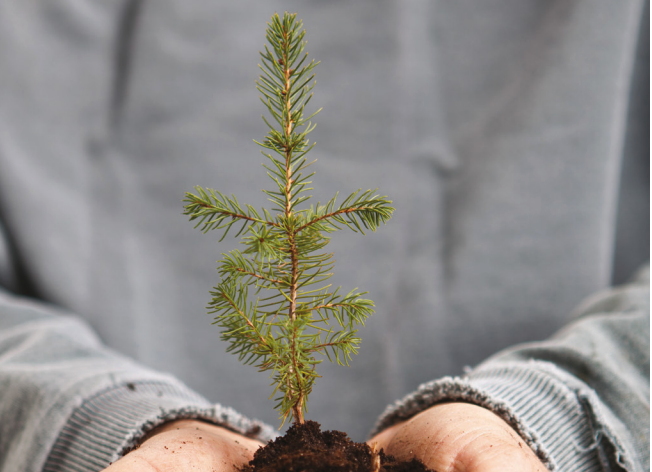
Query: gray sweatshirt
x=511 y=135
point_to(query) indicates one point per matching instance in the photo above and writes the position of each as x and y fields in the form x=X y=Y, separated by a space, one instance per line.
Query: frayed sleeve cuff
x=114 y=420
x=558 y=421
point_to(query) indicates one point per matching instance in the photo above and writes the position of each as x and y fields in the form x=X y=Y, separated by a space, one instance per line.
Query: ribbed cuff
x=555 y=420
x=115 y=419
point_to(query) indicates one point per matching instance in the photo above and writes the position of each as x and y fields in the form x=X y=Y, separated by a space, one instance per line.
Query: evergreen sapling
x=272 y=303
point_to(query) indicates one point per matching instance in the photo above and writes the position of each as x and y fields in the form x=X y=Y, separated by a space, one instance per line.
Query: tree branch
x=253 y=274
x=321 y=347
x=248 y=321
x=236 y=215
x=342 y=211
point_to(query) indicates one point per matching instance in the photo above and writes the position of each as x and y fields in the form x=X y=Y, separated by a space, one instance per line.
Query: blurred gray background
x=511 y=135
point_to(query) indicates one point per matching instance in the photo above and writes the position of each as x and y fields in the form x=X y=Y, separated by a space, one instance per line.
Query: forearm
x=66 y=399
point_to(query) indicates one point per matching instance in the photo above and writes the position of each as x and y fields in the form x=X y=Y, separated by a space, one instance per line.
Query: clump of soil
x=305 y=448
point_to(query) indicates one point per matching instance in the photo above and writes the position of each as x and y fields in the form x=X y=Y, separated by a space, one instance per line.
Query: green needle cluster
x=272 y=303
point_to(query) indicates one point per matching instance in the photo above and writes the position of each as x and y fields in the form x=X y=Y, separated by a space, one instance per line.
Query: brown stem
x=297 y=411
x=297 y=408
x=288 y=149
x=288 y=192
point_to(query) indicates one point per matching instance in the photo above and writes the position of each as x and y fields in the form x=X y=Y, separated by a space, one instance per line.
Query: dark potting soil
x=305 y=448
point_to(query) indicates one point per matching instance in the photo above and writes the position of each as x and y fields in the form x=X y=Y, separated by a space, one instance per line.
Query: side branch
x=233 y=215
x=248 y=321
x=216 y=211
x=332 y=306
x=322 y=347
x=258 y=276
x=342 y=211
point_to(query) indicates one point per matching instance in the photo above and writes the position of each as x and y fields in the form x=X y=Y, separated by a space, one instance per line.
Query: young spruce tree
x=272 y=303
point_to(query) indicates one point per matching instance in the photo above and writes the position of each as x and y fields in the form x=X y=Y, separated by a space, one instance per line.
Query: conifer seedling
x=272 y=303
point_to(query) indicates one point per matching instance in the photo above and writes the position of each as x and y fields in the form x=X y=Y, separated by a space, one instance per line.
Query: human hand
x=459 y=437
x=188 y=445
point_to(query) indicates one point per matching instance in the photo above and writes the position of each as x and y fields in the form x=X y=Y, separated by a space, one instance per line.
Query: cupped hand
x=460 y=437
x=188 y=445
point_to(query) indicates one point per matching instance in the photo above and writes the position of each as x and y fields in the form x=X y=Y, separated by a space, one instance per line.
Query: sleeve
x=68 y=403
x=580 y=399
